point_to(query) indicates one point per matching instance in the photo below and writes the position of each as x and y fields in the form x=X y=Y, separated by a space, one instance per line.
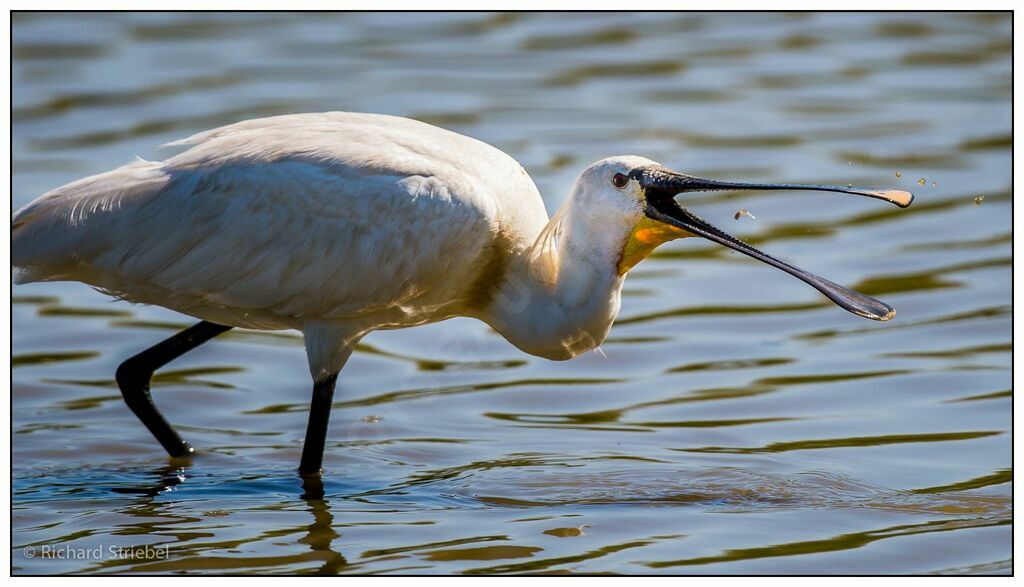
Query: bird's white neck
x=559 y=297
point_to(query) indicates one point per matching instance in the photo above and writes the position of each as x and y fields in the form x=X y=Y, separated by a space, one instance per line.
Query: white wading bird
x=339 y=224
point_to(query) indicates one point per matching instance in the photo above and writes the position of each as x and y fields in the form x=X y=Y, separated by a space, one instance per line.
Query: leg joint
x=131 y=375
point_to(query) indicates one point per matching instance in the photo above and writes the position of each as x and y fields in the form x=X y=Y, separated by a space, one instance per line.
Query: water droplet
x=743 y=212
x=371 y=419
x=977 y=201
x=934 y=184
x=922 y=181
x=898 y=174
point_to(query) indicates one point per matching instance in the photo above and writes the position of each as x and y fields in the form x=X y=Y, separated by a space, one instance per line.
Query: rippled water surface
x=736 y=422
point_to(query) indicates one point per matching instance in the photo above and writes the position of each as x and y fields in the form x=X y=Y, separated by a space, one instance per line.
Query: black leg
x=134 y=374
x=316 y=430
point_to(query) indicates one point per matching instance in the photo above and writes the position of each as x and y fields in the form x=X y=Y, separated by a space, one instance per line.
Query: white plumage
x=364 y=220
x=338 y=224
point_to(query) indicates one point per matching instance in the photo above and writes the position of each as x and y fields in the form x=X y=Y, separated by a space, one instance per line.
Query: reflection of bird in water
x=339 y=224
x=168 y=518
x=321 y=534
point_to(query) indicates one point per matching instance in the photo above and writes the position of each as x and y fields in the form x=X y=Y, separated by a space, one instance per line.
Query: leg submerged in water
x=316 y=430
x=133 y=377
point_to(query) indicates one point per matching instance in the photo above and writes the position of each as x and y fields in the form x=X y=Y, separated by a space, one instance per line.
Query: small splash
x=898 y=174
x=371 y=419
x=923 y=181
x=743 y=212
x=216 y=513
x=978 y=200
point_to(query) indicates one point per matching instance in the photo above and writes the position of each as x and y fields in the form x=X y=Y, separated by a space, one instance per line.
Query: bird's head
x=643 y=194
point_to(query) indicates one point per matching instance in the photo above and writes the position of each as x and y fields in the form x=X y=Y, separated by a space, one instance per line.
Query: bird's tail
x=62 y=229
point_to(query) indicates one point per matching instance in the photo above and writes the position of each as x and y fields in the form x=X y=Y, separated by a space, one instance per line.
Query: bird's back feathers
x=271 y=222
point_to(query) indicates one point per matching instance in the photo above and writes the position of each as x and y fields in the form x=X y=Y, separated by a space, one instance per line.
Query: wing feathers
x=294 y=232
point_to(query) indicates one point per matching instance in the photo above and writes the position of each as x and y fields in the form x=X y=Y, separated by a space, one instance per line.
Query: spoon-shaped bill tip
x=901 y=198
x=876 y=316
x=846 y=298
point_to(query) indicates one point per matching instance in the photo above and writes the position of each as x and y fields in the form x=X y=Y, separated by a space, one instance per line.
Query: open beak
x=661 y=186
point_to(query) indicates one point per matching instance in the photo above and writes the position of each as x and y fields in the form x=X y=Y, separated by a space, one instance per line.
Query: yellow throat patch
x=646 y=236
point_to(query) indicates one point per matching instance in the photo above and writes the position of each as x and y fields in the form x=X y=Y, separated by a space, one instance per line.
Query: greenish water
x=736 y=423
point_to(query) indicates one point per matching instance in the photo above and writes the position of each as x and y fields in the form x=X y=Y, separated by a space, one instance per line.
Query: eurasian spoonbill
x=338 y=224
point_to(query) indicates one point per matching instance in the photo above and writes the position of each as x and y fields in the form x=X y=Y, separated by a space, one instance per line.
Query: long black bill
x=661 y=187
x=688 y=183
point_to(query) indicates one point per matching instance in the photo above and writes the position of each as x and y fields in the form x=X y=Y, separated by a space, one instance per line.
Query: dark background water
x=736 y=423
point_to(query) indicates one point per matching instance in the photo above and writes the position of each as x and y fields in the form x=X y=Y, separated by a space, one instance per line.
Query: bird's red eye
x=619 y=180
